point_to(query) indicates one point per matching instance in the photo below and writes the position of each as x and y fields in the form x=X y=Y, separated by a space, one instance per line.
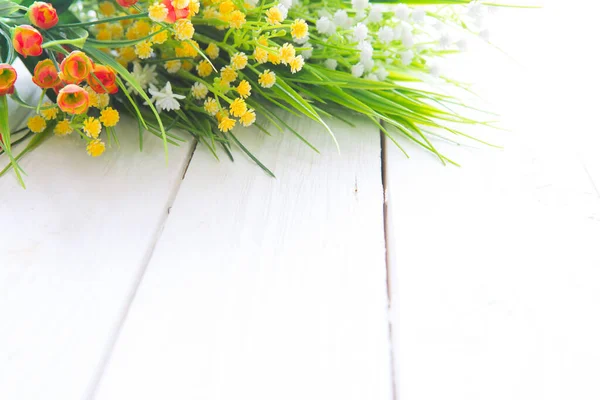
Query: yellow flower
x=204 y=68
x=210 y=13
x=222 y=84
x=109 y=116
x=63 y=128
x=248 y=118
x=95 y=148
x=274 y=58
x=199 y=90
x=244 y=89
x=104 y=34
x=92 y=96
x=184 y=29
x=239 y=60
x=92 y=127
x=267 y=78
x=287 y=52
x=143 y=49
x=238 y=107
x=212 y=51
x=126 y=55
x=226 y=124
x=228 y=74
x=158 y=12
x=226 y=7
x=179 y=4
x=299 y=29
x=172 y=66
x=159 y=37
x=296 y=64
x=237 y=19
x=189 y=48
x=36 y=124
x=102 y=101
x=107 y=8
x=211 y=106
x=194 y=7
x=116 y=30
x=49 y=113
x=274 y=16
x=187 y=65
x=260 y=55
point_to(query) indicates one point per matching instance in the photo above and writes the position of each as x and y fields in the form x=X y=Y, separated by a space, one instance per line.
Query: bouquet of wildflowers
x=209 y=66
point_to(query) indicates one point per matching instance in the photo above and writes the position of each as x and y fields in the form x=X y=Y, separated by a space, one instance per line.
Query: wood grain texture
x=73 y=246
x=265 y=288
x=495 y=278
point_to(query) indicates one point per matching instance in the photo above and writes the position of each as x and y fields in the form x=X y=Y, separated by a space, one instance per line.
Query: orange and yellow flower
x=43 y=15
x=76 y=67
x=73 y=99
x=27 y=41
x=103 y=80
x=8 y=77
x=45 y=74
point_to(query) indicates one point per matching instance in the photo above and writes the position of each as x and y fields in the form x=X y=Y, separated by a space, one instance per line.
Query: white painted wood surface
x=264 y=288
x=74 y=245
x=495 y=266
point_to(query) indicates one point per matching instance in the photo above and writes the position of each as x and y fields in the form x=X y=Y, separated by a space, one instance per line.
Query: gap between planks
x=138 y=279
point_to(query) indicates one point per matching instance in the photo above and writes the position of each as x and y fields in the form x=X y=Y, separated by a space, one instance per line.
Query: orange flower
x=8 y=76
x=175 y=14
x=43 y=15
x=103 y=80
x=75 y=67
x=27 y=40
x=73 y=99
x=126 y=3
x=45 y=74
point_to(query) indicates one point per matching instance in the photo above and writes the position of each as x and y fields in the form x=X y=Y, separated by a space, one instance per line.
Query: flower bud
x=103 y=80
x=75 y=67
x=8 y=76
x=27 y=41
x=45 y=74
x=43 y=15
x=73 y=99
x=126 y=3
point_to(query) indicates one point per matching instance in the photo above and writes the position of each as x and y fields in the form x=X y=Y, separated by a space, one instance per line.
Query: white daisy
x=165 y=99
x=143 y=76
x=330 y=63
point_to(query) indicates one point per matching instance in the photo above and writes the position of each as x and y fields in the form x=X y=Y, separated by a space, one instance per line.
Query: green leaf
x=8 y=7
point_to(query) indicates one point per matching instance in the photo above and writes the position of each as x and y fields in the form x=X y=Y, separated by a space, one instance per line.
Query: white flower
x=372 y=77
x=199 y=90
x=368 y=64
x=286 y=3
x=284 y=10
x=143 y=76
x=418 y=15
x=340 y=18
x=439 y=25
x=165 y=99
x=360 y=15
x=385 y=34
x=463 y=44
x=366 y=51
x=358 y=70
x=360 y=4
x=445 y=40
x=476 y=10
x=402 y=12
x=407 y=57
x=302 y=40
x=326 y=26
x=307 y=53
x=407 y=39
x=173 y=66
x=360 y=32
x=330 y=63
x=376 y=14
x=382 y=73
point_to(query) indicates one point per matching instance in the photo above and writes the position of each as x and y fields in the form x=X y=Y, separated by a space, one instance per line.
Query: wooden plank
x=495 y=265
x=266 y=288
x=73 y=246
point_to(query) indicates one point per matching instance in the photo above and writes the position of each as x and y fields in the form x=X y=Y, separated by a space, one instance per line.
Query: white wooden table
x=358 y=275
